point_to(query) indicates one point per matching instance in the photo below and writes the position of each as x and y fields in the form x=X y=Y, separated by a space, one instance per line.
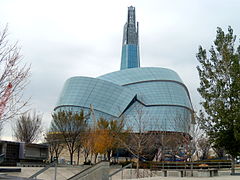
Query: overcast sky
x=64 y=38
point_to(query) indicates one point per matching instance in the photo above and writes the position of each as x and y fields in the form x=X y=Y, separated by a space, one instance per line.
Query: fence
x=187 y=165
x=150 y=169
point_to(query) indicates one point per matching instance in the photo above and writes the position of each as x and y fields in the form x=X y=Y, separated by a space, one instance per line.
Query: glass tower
x=130 y=49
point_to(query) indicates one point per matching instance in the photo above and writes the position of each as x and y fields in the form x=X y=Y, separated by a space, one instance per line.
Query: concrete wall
x=144 y=173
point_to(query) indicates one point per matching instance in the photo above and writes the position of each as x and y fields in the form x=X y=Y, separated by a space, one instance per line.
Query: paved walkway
x=192 y=178
x=65 y=172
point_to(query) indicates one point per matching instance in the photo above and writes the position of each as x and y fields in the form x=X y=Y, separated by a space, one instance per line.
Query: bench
x=208 y=172
x=182 y=172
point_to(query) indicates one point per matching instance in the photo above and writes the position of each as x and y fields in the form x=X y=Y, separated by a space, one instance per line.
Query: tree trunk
x=233 y=165
x=138 y=167
x=91 y=156
x=85 y=157
x=56 y=156
x=78 y=156
x=109 y=155
x=51 y=158
x=95 y=158
x=71 y=158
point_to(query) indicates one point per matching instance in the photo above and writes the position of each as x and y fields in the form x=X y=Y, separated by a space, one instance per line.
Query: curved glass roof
x=104 y=96
x=161 y=93
x=133 y=75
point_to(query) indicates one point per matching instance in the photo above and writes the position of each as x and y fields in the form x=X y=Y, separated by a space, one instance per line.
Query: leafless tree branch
x=12 y=72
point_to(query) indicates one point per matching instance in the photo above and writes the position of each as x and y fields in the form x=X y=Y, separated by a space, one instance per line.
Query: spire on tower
x=130 y=48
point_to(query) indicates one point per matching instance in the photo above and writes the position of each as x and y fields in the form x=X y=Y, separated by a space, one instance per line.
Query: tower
x=130 y=48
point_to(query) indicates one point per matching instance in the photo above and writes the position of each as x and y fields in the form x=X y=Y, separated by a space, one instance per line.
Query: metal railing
x=189 y=165
x=54 y=163
x=121 y=170
x=86 y=172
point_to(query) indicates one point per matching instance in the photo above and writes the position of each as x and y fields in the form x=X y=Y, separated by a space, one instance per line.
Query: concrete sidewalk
x=127 y=174
x=191 y=178
x=64 y=173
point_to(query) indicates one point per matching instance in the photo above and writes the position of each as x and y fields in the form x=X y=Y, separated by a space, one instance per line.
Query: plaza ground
x=192 y=178
x=64 y=173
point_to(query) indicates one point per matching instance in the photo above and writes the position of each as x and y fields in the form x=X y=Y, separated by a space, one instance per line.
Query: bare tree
x=71 y=125
x=28 y=127
x=56 y=144
x=197 y=143
x=174 y=140
x=204 y=146
x=13 y=79
x=140 y=141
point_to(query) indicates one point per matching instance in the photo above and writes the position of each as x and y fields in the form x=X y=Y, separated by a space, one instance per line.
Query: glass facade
x=104 y=96
x=130 y=57
x=134 y=75
x=158 y=92
x=130 y=48
x=159 y=118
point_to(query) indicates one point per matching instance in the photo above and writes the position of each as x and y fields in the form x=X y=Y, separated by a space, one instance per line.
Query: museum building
x=158 y=93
